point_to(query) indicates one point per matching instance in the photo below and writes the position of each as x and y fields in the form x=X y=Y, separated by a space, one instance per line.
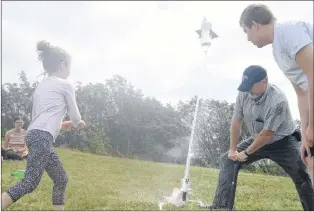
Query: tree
x=122 y=122
x=16 y=100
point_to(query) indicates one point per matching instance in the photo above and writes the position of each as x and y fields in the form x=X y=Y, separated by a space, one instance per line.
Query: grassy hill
x=106 y=183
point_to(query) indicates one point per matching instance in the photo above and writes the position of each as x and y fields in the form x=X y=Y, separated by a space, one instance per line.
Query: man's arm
x=236 y=122
x=304 y=59
x=303 y=106
x=234 y=134
x=298 y=45
x=261 y=140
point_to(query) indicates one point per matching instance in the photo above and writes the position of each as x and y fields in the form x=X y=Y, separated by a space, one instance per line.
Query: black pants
x=286 y=153
x=10 y=155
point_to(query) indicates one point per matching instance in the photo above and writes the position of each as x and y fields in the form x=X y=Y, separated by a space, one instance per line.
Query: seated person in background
x=14 y=147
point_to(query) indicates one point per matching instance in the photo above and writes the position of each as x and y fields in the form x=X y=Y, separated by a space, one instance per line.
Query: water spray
x=186 y=179
x=179 y=197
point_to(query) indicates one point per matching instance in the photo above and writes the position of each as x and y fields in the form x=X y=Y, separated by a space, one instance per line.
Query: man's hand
x=305 y=149
x=241 y=156
x=232 y=155
x=309 y=136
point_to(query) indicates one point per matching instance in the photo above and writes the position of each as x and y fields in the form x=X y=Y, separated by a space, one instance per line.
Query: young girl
x=52 y=98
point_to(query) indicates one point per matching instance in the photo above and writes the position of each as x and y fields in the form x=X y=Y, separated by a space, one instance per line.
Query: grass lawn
x=106 y=183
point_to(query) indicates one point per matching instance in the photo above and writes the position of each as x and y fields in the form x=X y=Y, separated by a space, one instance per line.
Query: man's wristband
x=246 y=153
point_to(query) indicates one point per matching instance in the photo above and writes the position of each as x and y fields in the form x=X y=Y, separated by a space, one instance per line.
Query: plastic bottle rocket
x=18 y=174
x=206 y=34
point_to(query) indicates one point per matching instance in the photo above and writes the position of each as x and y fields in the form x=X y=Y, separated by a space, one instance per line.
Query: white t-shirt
x=289 y=38
x=52 y=98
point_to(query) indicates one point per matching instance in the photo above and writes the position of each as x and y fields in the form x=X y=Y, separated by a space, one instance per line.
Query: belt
x=297 y=135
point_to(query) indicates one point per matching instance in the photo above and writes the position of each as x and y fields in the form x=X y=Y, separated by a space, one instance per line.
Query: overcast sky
x=151 y=44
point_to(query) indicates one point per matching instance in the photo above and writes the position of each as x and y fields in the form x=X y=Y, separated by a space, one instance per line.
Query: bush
x=269 y=167
x=97 y=147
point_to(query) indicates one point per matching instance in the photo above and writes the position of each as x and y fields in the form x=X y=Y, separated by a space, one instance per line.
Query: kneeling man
x=264 y=109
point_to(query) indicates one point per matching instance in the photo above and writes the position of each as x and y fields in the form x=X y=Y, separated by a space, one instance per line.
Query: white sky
x=151 y=44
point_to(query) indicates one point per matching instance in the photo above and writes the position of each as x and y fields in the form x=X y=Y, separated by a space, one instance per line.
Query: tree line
x=122 y=122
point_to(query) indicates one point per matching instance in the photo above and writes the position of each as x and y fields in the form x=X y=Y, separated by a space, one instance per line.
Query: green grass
x=106 y=183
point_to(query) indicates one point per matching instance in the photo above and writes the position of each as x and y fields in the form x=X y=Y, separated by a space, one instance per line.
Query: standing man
x=292 y=44
x=265 y=110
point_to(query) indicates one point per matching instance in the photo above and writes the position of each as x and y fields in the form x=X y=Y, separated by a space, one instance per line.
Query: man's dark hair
x=52 y=57
x=259 y=13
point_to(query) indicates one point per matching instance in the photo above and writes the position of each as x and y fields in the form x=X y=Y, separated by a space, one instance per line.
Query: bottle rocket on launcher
x=206 y=34
x=180 y=196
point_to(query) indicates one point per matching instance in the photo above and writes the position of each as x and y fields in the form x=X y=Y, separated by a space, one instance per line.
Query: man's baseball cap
x=251 y=75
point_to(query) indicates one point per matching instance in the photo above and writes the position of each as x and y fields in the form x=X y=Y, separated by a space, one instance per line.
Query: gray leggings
x=42 y=157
